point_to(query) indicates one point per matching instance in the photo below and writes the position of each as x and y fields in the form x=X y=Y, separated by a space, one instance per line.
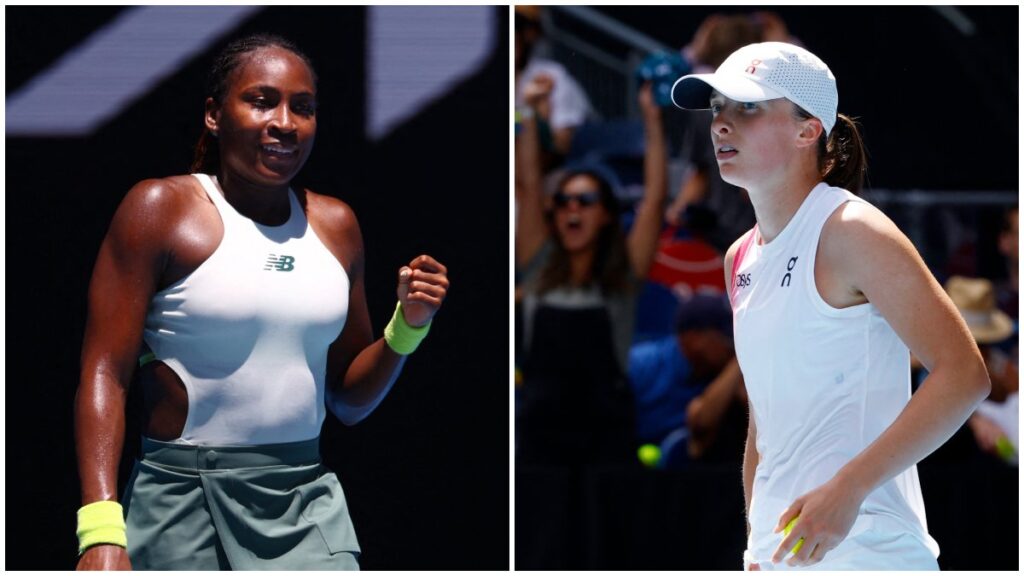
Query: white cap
x=766 y=71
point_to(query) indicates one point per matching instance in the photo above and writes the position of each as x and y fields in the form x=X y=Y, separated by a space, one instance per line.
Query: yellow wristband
x=101 y=523
x=401 y=337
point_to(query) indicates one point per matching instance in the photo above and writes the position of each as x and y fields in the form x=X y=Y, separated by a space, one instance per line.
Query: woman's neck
x=775 y=205
x=581 y=264
x=268 y=205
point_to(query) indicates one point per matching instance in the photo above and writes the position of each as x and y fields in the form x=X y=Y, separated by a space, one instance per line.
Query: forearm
x=367 y=381
x=655 y=159
x=695 y=187
x=99 y=442
x=750 y=460
x=935 y=412
x=691 y=192
x=705 y=411
x=531 y=229
x=99 y=438
x=562 y=138
x=527 y=160
x=643 y=238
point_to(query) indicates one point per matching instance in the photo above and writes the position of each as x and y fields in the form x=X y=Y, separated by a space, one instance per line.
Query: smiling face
x=266 y=121
x=579 y=214
x=754 y=142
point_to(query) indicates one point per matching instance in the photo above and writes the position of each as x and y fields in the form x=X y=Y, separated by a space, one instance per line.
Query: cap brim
x=693 y=92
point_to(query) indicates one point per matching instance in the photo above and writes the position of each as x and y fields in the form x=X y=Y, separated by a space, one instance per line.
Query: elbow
x=642 y=263
x=981 y=381
x=351 y=415
x=965 y=376
x=351 y=419
x=348 y=415
x=973 y=377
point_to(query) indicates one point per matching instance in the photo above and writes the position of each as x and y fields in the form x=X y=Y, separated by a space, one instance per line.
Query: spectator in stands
x=772 y=28
x=685 y=264
x=545 y=89
x=1009 y=239
x=716 y=38
x=997 y=417
x=578 y=276
x=717 y=418
x=682 y=390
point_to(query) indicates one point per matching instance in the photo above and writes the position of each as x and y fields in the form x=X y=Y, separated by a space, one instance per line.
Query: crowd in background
x=623 y=333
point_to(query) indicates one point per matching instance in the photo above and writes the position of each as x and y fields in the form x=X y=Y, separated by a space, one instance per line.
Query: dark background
x=939 y=109
x=427 y=474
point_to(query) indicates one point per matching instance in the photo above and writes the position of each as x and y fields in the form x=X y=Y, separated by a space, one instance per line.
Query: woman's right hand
x=105 y=557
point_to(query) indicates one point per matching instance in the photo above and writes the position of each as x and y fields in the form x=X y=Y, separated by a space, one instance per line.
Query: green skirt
x=271 y=507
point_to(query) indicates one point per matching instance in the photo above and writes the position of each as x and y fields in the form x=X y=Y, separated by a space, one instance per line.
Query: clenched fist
x=422 y=286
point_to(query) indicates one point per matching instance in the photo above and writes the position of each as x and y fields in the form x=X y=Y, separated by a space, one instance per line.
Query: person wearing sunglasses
x=578 y=274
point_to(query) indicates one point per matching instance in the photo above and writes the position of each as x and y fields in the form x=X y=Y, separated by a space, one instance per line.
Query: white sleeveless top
x=248 y=331
x=823 y=382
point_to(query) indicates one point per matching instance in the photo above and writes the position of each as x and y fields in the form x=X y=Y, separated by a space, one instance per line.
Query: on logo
x=752 y=69
x=789 y=268
x=280 y=263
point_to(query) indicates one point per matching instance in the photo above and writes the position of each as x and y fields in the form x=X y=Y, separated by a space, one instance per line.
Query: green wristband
x=401 y=337
x=101 y=523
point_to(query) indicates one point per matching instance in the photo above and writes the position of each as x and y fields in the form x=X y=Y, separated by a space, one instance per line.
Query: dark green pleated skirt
x=272 y=507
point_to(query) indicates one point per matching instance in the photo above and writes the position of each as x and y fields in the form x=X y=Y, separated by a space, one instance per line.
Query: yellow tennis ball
x=1005 y=448
x=649 y=455
x=787 y=530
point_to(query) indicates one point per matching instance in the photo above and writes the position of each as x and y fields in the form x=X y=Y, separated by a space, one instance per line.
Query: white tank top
x=823 y=382
x=248 y=331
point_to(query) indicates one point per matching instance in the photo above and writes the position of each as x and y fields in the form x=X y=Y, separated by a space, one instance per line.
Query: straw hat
x=976 y=300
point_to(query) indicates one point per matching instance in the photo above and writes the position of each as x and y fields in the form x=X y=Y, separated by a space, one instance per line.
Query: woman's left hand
x=422 y=286
x=648 y=107
x=826 y=515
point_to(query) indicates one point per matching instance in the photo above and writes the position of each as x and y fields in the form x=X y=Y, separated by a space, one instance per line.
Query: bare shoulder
x=858 y=231
x=161 y=196
x=335 y=223
x=861 y=251
x=332 y=214
x=156 y=205
x=860 y=218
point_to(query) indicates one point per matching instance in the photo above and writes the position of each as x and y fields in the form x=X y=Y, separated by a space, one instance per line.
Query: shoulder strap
x=212 y=191
x=738 y=259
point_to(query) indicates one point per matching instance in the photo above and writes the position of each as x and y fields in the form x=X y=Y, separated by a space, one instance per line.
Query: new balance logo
x=280 y=263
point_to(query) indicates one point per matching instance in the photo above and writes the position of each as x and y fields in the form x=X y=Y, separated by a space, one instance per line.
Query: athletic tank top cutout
x=247 y=332
x=823 y=382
